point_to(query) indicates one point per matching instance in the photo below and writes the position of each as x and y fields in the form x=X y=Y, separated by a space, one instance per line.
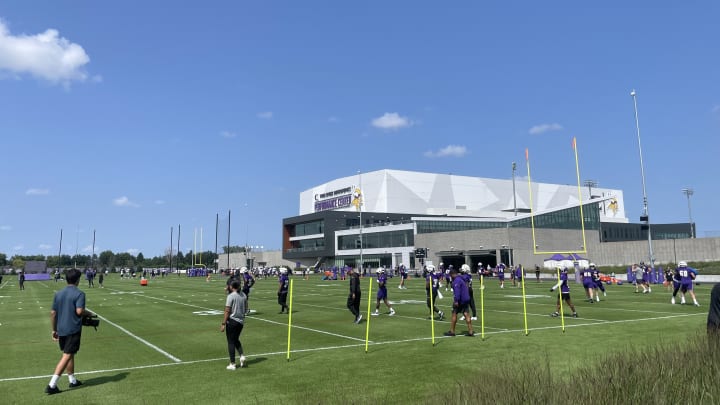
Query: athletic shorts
x=382 y=293
x=565 y=296
x=70 y=344
x=461 y=308
x=684 y=287
x=588 y=284
x=282 y=298
x=501 y=276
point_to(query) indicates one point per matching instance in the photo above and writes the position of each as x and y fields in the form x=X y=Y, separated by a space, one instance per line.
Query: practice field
x=162 y=343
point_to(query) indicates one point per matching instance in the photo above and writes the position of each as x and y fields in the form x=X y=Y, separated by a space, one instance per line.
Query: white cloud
x=159 y=202
x=46 y=55
x=124 y=202
x=88 y=249
x=5 y=228
x=391 y=121
x=18 y=247
x=228 y=134
x=266 y=115
x=448 y=151
x=542 y=128
x=133 y=251
x=37 y=191
x=45 y=246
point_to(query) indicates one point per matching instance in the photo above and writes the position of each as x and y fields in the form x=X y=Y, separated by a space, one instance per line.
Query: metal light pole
x=359 y=207
x=688 y=192
x=590 y=184
x=645 y=216
x=514 y=167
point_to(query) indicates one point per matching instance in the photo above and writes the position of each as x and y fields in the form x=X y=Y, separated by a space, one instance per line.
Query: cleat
x=376 y=313
x=470 y=334
x=574 y=315
x=672 y=300
x=555 y=314
x=474 y=318
x=597 y=298
x=358 y=318
x=696 y=304
x=242 y=361
x=230 y=367
x=392 y=312
x=441 y=314
x=52 y=390
x=604 y=294
x=448 y=333
x=462 y=318
x=77 y=383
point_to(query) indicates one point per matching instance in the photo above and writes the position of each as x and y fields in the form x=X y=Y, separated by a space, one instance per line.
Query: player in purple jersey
x=382 y=292
x=284 y=284
x=467 y=276
x=519 y=273
x=432 y=283
x=248 y=282
x=646 y=276
x=500 y=270
x=461 y=301
x=598 y=282
x=564 y=294
x=448 y=278
x=588 y=284
x=686 y=276
x=403 y=277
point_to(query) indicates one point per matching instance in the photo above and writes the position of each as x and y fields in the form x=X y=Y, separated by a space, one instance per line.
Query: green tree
x=18 y=263
x=140 y=258
x=3 y=259
x=107 y=259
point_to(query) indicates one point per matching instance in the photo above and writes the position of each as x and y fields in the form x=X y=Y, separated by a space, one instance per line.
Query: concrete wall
x=569 y=241
x=272 y=258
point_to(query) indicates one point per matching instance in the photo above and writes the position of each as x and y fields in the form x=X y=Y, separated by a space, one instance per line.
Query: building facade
x=392 y=217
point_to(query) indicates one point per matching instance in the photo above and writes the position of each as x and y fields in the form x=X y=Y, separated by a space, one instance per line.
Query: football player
x=467 y=276
x=382 y=292
x=564 y=294
x=284 y=284
x=432 y=284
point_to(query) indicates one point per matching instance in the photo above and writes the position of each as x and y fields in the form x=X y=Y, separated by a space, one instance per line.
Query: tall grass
x=684 y=372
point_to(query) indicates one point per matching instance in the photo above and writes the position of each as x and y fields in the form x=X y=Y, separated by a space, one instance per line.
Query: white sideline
x=132 y=335
x=333 y=348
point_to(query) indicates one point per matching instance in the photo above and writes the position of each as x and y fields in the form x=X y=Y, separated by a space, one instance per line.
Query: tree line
x=109 y=260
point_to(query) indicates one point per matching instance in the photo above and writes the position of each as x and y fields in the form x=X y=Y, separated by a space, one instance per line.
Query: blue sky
x=132 y=117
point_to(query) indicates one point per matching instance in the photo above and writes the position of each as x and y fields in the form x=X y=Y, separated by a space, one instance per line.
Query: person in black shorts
x=21 y=280
x=68 y=309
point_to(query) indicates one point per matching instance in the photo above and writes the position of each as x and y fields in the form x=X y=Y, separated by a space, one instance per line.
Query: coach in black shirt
x=353 y=301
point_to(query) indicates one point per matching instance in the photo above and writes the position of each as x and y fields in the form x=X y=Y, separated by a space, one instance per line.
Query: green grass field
x=162 y=344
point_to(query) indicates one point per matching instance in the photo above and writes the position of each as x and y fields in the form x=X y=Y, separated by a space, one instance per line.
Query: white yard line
x=253 y=317
x=134 y=336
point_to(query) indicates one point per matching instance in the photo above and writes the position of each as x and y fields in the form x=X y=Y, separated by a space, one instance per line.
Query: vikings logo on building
x=357 y=199
x=613 y=206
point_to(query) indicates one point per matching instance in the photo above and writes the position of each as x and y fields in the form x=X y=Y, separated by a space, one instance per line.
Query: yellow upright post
x=522 y=271
x=432 y=312
x=290 y=319
x=562 y=316
x=367 y=324
x=482 y=307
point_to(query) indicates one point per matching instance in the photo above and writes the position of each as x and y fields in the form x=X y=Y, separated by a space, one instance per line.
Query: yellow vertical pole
x=290 y=319
x=482 y=307
x=522 y=271
x=577 y=172
x=562 y=316
x=432 y=305
x=367 y=325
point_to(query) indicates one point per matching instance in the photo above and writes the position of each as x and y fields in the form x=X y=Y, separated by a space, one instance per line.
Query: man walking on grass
x=353 y=301
x=460 y=303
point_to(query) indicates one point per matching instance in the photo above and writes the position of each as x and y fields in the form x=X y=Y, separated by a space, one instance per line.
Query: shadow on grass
x=104 y=379
x=254 y=360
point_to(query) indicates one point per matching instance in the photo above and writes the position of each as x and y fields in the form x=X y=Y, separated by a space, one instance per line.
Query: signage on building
x=335 y=199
